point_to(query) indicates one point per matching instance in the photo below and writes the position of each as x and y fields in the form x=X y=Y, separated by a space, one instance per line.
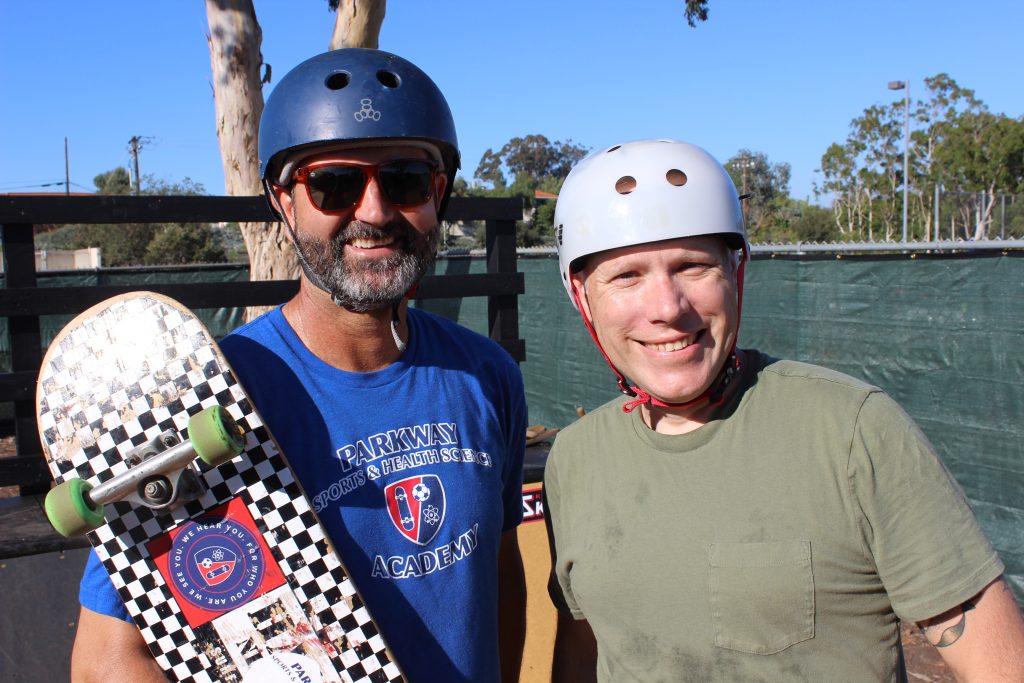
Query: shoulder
x=260 y=349
x=258 y=329
x=800 y=383
x=608 y=415
x=434 y=324
x=445 y=337
x=584 y=453
x=800 y=372
x=600 y=427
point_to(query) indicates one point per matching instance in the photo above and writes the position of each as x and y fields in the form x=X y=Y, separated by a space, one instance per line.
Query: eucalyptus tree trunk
x=358 y=23
x=985 y=207
x=235 y=59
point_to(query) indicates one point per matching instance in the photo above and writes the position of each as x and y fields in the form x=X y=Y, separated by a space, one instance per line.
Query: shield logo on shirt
x=416 y=506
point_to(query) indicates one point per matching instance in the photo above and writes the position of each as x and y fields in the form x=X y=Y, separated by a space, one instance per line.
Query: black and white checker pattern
x=126 y=371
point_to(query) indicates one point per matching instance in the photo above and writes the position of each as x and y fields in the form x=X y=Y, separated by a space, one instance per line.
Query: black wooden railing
x=22 y=529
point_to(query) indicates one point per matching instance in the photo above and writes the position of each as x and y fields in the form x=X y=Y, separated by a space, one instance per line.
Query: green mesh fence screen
x=220 y=320
x=943 y=336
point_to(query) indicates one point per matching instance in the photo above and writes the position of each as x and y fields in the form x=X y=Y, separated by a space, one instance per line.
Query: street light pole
x=905 y=87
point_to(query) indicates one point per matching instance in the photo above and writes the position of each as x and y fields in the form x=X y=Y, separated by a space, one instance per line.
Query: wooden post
x=26 y=353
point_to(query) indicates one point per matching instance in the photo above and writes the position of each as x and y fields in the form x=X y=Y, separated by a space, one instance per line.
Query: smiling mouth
x=367 y=243
x=676 y=345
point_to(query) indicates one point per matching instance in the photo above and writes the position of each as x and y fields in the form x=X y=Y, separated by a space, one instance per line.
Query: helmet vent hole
x=388 y=79
x=612 y=149
x=675 y=177
x=625 y=184
x=338 y=81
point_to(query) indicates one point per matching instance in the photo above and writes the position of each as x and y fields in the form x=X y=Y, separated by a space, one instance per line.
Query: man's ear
x=284 y=199
x=440 y=184
x=579 y=286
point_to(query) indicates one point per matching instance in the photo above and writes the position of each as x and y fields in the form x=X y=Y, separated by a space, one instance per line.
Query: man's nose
x=374 y=208
x=666 y=300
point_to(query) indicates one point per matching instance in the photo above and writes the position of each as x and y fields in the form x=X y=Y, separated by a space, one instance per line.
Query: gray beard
x=361 y=286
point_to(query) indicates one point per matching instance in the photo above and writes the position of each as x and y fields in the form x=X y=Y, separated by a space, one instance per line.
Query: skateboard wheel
x=215 y=435
x=69 y=509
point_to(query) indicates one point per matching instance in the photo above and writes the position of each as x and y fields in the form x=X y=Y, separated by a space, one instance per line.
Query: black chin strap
x=303 y=261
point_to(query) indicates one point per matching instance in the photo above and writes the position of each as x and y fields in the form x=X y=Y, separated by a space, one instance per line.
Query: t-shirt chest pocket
x=762 y=595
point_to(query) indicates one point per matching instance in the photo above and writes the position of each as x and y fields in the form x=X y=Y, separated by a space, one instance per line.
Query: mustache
x=396 y=228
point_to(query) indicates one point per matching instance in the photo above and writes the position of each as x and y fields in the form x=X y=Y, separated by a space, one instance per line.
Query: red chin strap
x=713 y=395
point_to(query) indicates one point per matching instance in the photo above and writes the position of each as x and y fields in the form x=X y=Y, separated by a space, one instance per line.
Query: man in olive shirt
x=737 y=517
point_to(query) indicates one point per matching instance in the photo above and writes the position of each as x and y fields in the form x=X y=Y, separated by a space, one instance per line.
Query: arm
x=982 y=639
x=511 y=606
x=575 y=659
x=108 y=649
x=575 y=653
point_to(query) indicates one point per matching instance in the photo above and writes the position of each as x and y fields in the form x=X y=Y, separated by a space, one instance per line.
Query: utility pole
x=67 y=170
x=745 y=163
x=134 y=145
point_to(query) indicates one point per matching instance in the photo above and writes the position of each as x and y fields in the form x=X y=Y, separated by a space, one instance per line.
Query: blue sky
x=784 y=78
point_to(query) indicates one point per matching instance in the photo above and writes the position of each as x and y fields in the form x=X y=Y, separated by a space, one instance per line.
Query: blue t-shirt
x=444 y=425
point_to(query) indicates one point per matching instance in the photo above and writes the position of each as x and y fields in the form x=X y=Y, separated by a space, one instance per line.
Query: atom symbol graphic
x=430 y=515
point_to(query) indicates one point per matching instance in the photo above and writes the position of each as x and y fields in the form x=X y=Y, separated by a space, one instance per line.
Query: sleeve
x=930 y=551
x=559 y=581
x=97 y=593
x=515 y=448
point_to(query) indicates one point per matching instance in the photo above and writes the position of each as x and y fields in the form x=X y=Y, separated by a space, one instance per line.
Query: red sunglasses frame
x=370 y=172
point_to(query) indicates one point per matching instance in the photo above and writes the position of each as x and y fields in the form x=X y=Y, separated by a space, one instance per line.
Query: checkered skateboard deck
x=239 y=584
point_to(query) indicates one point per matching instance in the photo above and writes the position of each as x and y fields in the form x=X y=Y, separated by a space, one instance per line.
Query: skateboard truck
x=158 y=484
x=158 y=477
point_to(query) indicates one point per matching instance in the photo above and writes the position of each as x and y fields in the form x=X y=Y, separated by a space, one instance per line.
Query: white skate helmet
x=641 y=192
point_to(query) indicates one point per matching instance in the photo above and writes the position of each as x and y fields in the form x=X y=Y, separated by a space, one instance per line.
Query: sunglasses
x=336 y=187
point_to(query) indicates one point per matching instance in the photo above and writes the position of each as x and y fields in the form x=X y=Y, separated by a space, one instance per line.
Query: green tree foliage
x=810 y=223
x=696 y=10
x=982 y=154
x=865 y=174
x=116 y=181
x=133 y=244
x=534 y=163
x=766 y=189
x=960 y=155
x=184 y=243
x=534 y=157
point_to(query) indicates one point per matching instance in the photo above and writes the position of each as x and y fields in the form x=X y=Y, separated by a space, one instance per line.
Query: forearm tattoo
x=950 y=634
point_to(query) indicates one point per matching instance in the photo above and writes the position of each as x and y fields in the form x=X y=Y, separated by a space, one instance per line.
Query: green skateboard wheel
x=70 y=511
x=215 y=435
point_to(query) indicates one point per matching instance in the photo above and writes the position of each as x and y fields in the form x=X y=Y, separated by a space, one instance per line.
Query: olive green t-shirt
x=781 y=542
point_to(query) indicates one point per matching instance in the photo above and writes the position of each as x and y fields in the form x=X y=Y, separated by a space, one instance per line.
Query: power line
x=29 y=183
x=25 y=185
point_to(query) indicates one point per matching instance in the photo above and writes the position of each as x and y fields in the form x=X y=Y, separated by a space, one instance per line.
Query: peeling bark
x=235 y=60
x=358 y=23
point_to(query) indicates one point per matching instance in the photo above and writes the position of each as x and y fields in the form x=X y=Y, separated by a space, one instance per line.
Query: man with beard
x=357 y=153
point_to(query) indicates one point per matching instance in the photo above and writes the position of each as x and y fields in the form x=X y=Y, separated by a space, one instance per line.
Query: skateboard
x=163 y=462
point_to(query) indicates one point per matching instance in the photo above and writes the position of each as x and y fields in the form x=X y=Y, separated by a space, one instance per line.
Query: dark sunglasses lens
x=336 y=188
x=406 y=183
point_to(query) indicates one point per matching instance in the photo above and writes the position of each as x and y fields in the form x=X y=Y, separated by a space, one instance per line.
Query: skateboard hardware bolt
x=157 y=491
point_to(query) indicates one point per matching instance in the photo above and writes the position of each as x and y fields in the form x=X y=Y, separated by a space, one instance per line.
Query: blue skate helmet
x=354 y=96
